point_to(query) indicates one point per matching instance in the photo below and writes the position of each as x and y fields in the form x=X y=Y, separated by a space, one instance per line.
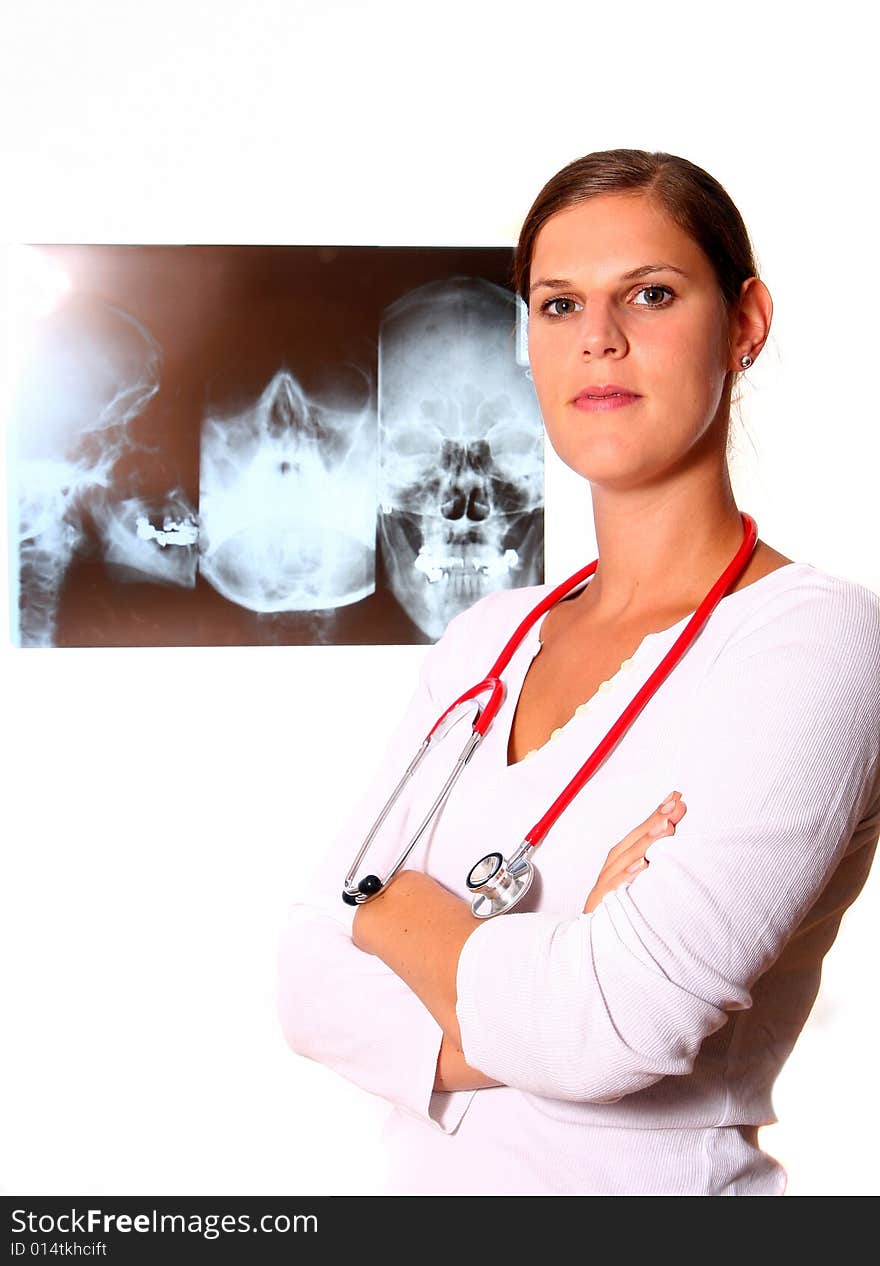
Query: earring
x=745 y=361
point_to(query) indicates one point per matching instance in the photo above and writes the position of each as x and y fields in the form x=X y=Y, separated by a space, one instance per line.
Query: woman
x=620 y=1031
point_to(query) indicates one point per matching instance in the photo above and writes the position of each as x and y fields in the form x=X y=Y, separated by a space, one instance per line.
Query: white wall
x=159 y=804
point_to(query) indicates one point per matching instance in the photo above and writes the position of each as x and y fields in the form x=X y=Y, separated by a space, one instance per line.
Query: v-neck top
x=532 y=644
x=536 y=644
x=637 y=1045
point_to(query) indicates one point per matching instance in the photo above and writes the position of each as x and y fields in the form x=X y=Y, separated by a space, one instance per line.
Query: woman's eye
x=655 y=290
x=545 y=307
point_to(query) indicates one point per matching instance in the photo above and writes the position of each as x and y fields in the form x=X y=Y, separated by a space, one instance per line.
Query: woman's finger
x=657 y=830
x=668 y=809
x=608 y=883
x=628 y=859
x=619 y=860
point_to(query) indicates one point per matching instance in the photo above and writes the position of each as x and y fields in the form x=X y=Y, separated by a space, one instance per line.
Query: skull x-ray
x=287 y=509
x=91 y=369
x=461 y=475
x=283 y=445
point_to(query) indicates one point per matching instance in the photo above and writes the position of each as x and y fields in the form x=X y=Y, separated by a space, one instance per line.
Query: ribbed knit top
x=639 y=1042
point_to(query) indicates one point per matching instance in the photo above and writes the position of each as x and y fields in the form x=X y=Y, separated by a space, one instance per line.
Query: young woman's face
x=662 y=335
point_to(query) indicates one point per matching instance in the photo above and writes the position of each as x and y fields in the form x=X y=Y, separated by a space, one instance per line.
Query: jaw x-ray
x=250 y=445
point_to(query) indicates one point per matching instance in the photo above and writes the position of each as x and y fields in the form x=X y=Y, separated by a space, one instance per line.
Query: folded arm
x=348 y=1009
x=780 y=756
x=598 y=1006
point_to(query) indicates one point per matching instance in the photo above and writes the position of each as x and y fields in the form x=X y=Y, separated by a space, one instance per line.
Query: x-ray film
x=252 y=445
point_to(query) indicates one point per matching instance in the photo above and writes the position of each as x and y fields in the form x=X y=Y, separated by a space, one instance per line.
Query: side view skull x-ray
x=413 y=484
x=92 y=369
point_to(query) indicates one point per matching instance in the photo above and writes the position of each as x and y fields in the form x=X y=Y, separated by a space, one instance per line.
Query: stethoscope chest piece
x=498 y=885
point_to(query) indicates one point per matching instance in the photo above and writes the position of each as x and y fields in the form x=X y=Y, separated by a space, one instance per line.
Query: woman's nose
x=598 y=330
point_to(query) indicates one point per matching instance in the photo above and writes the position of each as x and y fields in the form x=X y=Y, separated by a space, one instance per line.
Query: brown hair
x=688 y=194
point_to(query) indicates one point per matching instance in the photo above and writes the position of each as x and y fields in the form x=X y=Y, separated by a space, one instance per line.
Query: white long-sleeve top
x=637 y=1044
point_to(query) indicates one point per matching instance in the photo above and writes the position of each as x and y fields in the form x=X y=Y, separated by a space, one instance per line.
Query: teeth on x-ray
x=135 y=550
x=435 y=569
x=171 y=534
x=461 y=455
x=287 y=504
x=91 y=370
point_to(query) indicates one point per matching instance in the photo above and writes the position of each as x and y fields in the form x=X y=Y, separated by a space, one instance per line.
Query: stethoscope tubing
x=486 y=713
x=657 y=677
x=493 y=683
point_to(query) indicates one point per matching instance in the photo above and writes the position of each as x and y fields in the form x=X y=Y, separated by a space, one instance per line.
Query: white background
x=160 y=805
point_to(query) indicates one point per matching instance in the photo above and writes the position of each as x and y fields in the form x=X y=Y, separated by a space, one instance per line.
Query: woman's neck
x=662 y=552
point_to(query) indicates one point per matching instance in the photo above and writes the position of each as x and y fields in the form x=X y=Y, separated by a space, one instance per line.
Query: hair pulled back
x=686 y=193
x=689 y=195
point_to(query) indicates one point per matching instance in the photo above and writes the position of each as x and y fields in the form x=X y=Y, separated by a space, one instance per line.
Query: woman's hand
x=627 y=858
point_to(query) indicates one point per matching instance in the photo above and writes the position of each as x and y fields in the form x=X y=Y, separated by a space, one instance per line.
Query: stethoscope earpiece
x=368 y=887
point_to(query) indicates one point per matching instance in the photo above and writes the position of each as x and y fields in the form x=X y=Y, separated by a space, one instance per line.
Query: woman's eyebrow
x=555 y=282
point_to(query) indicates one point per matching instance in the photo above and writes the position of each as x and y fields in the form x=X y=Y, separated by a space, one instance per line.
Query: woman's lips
x=599 y=404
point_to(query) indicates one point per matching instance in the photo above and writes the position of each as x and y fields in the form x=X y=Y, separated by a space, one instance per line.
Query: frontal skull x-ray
x=461 y=456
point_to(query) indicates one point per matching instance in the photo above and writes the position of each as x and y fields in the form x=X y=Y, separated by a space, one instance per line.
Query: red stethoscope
x=497 y=885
